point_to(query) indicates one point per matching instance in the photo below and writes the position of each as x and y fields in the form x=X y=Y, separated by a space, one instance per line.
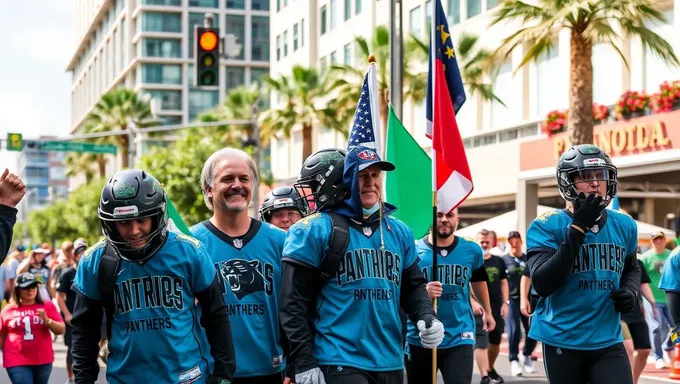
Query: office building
x=148 y=45
x=511 y=159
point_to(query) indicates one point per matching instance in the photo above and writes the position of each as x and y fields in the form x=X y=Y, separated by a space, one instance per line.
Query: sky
x=38 y=39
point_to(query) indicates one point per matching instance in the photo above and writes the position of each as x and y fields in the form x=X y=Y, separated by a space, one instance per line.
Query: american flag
x=366 y=125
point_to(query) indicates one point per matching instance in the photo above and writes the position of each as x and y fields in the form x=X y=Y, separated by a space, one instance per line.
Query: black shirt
x=64 y=286
x=516 y=268
x=636 y=315
x=8 y=216
x=495 y=269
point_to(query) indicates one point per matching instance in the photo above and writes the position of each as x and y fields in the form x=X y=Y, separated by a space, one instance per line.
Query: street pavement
x=651 y=375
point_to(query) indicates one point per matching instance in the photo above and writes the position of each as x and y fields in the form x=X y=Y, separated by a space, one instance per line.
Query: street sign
x=15 y=142
x=66 y=146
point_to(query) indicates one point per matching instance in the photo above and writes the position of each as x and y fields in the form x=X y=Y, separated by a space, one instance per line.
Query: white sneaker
x=660 y=364
x=515 y=368
x=529 y=365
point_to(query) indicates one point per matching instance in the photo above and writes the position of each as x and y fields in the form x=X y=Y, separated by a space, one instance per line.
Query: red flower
x=631 y=101
x=554 y=121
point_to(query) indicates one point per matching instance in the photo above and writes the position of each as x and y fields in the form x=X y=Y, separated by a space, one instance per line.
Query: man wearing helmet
x=282 y=207
x=147 y=279
x=343 y=324
x=584 y=268
x=247 y=255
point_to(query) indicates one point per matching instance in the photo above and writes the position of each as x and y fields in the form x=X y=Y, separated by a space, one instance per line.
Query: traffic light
x=207 y=55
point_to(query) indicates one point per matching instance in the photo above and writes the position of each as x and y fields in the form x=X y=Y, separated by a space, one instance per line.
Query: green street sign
x=67 y=146
x=15 y=142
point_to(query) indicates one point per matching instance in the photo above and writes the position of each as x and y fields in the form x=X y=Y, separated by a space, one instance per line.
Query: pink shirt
x=28 y=341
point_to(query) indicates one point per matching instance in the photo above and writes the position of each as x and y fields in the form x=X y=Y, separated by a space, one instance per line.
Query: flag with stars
x=366 y=125
x=445 y=95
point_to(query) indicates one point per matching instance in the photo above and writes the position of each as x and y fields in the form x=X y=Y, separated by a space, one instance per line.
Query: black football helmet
x=320 y=179
x=281 y=197
x=133 y=194
x=591 y=163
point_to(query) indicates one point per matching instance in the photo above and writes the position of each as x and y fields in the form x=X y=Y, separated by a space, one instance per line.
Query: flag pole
x=435 y=252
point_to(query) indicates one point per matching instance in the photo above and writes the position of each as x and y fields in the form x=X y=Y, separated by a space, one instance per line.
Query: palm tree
x=115 y=111
x=590 y=22
x=242 y=103
x=301 y=93
x=80 y=163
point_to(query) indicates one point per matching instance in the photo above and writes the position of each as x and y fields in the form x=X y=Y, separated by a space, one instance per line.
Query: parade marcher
x=583 y=263
x=340 y=305
x=12 y=190
x=461 y=265
x=516 y=267
x=147 y=280
x=487 y=344
x=282 y=207
x=247 y=255
x=637 y=326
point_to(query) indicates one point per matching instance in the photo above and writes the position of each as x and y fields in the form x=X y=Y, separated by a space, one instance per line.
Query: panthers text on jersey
x=250 y=271
x=358 y=322
x=580 y=314
x=155 y=333
x=455 y=265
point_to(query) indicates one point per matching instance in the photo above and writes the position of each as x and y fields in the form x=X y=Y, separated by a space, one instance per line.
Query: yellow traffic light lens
x=208 y=41
x=208 y=60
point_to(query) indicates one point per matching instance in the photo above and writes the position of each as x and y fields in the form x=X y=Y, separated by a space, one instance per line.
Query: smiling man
x=247 y=256
x=282 y=207
x=147 y=280
x=342 y=319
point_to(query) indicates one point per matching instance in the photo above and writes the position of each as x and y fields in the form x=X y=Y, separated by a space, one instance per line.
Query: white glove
x=431 y=337
x=312 y=376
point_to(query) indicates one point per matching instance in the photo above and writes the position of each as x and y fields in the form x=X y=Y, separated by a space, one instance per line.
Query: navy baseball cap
x=364 y=157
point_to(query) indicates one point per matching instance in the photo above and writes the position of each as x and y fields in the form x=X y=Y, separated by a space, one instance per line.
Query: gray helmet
x=585 y=157
x=129 y=195
x=281 y=197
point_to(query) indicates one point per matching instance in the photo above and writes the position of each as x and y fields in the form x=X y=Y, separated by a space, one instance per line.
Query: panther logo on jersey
x=244 y=276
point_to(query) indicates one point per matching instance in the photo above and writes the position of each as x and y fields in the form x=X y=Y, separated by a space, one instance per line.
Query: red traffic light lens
x=208 y=41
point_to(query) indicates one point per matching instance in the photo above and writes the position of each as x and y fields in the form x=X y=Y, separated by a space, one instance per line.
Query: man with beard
x=247 y=255
x=461 y=264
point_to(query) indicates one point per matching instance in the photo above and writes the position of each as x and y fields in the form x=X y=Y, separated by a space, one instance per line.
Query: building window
x=57 y=173
x=161 y=22
x=302 y=33
x=295 y=37
x=203 y=3
x=334 y=14
x=161 y=74
x=123 y=45
x=175 y=3
x=170 y=100
x=357 y=7
x=428 y=16
x=285 y=3
x=278 y=5
x=236 y=25
x=171 y=120
x=503 y=116
x=278 y=47
x=551 y=83
x=474 y=8
x=348 y=54
x=236 y=4
x=607 y=68
x=236 y=77
x=161 y=48
x=323 y=64
x=200 y=101
x=285 y=43
x=296 y=151
x=195 y=19
x=260 y=5
x=348 y=9
x=334 y=57
x=260 y=38
x=256 y=74
x=323 y=19
x=491 y=3
x=415 y=21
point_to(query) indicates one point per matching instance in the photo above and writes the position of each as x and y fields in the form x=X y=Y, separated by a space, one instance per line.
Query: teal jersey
x=670 y=275
x=249 y=269
x=580 y=314
x=358 y=322
x=156 y=336
x=455 y=264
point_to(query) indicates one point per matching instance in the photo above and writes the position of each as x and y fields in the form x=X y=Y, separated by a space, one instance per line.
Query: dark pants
x=515 y=333
x=349 y=375
x=602 y=366
x=455 y=364
x=273 y=379
x=30 y=374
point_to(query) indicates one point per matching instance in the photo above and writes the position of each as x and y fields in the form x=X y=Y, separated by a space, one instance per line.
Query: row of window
x=107 y=22
x=298 y=40
x=332 y=58
x=260 y=5
x=331 y=11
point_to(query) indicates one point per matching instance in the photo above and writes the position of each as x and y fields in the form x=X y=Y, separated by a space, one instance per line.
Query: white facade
x=491 y=131
x=148 y=45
